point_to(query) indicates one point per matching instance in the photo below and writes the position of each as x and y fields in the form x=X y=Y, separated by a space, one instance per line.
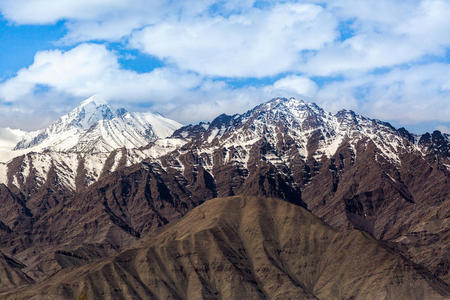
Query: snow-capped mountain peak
x=87 y=114
x=94 y=126
x=95 y=99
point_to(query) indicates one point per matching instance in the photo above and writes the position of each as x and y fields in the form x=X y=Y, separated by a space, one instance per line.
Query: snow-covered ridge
x=94 y=127
x=316 y=133
x=91 y=140
x=68 y=165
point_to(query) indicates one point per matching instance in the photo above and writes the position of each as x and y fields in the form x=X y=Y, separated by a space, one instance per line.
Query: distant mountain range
x=99 y=181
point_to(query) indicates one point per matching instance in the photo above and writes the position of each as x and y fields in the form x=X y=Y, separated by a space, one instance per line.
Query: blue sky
x=19 y=44
x=192 y=60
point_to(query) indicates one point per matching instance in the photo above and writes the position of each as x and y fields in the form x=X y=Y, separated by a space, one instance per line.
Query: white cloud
x=233 y=38
x=259 y=43
x=298 y=85
x=91 y=69
x=49 y=11
x=110 y=20
x=409 y=95
x=398 y=33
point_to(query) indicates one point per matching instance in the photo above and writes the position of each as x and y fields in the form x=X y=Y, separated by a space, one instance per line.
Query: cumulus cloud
x=396 y=34
x=258 y=43
x=296 y=85
x=92 y=69
x=47 y=11
x=409 y=95
x=110 y=20
x=240 y=38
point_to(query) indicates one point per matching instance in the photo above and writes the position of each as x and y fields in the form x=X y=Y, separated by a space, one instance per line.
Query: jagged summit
x=87 y=114
x=314 y=131
x=95 y=99
x=94 y=126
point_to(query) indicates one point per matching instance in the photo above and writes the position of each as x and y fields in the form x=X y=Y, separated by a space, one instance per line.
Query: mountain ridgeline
x=77 y=194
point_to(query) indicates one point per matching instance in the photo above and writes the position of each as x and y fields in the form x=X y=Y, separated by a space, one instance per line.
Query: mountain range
x=315 y=197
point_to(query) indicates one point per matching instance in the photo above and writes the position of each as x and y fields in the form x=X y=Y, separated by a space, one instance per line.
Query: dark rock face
x=350 y=171
x=406 y=134
x=436 y=142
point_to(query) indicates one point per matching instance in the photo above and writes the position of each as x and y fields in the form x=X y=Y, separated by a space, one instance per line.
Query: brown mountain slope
x=408 y=206
x=113 y=212
x=247 y=248
x=11 y=275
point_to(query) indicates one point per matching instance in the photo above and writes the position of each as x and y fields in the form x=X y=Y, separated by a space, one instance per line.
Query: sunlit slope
x=247 y=248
